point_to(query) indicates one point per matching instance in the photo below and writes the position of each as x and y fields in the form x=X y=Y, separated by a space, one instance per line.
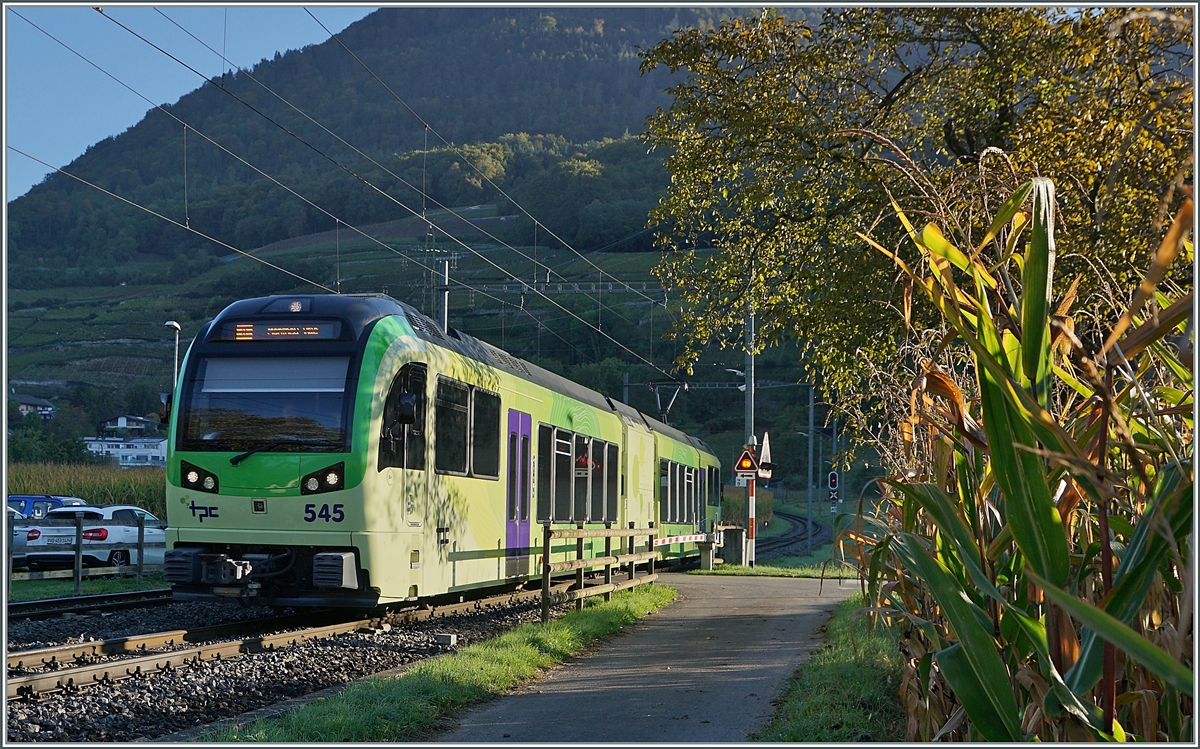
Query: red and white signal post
x=747 y=466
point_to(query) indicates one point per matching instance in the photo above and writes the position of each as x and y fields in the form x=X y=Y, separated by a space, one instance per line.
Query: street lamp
x=175 y=325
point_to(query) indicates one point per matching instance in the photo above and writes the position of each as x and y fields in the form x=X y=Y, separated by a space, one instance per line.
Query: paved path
x=705 y=668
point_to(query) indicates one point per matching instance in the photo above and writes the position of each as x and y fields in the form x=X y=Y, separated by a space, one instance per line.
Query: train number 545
x=312 y=514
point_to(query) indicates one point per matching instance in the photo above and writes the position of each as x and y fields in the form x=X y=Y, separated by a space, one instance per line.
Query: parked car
x=40 y=539
x=37 y=505
x=18 y=537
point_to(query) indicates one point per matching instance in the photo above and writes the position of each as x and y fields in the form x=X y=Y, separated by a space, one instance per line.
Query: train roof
x=482 y=351
x=360 y=310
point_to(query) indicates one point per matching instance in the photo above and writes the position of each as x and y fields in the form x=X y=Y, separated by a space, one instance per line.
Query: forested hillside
x=477 y=75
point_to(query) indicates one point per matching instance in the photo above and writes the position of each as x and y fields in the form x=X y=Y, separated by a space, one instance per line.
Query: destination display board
x=281 y=331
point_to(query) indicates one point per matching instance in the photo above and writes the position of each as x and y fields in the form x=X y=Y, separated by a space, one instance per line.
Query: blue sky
x=56 y=105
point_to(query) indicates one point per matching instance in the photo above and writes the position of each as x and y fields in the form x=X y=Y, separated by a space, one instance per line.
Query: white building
x=132 y=424
x=130 y=453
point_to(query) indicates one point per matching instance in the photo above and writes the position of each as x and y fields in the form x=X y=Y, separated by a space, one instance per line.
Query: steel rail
x=61 y=656
x=116 y=670
x=47 y=607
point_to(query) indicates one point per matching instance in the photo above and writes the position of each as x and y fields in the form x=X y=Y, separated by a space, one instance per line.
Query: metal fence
x=578 y=592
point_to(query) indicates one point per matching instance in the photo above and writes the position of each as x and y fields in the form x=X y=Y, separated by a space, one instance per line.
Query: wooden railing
x=580 y=563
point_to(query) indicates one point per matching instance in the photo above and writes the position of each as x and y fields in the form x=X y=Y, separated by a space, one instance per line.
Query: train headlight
x=325 y=480
x=194 y=477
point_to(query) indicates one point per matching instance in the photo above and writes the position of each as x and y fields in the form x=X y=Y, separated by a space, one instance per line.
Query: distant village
x=127 y=441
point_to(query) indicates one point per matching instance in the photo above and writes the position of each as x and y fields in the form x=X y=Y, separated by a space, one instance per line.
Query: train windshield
x=293 y=404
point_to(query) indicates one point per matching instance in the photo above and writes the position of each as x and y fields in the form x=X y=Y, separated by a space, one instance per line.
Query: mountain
x=474 y=74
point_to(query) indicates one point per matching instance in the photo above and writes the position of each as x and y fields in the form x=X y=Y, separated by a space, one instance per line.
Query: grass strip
x=832 y=572
x=410 y=707
x=31 y=590
x=792 y=566
x=847 y=691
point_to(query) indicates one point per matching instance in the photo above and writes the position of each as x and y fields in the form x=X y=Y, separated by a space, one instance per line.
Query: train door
x=517 y=493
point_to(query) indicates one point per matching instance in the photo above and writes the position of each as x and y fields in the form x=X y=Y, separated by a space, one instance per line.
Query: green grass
x=848 y=689
x=30 y=590
x=410 y=707
x=803 y=566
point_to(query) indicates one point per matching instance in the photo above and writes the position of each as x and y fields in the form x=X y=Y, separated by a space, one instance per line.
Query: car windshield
x=237 y=404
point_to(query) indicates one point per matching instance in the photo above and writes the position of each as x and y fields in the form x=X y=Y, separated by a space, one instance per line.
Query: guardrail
x=78 y=547
x=579 y=592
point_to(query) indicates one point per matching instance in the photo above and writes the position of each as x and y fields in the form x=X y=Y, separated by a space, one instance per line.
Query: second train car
x=343 y=450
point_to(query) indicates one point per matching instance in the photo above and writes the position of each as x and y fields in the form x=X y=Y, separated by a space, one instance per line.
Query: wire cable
x=406 y=183
x=169 y=220
x=241 y=160
x=350 y=146
x=363 y=179
x=428 y=127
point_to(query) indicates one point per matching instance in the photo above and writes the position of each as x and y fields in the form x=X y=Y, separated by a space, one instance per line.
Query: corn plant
x=97 y=484
x=1039 y=544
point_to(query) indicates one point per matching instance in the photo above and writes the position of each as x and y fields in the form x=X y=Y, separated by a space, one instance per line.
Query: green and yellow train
x=342 y=450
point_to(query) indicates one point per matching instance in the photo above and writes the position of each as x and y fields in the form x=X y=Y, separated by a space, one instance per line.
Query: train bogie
x=344 y=451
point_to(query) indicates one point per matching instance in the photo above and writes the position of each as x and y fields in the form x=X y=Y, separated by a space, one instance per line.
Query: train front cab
x=267 y=455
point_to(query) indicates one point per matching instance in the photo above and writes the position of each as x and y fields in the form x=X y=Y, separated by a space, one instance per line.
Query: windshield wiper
x=279 y=443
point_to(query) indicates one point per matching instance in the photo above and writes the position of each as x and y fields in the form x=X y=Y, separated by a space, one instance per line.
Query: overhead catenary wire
x=169 y=220
x=247 y=254
x=233 y=155
x=239 y=159
x=428 y=128
x=424 y=195
x=359 y=177
x=519 y=308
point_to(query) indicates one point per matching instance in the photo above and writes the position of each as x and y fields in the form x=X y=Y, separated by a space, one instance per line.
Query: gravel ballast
x=158 y=704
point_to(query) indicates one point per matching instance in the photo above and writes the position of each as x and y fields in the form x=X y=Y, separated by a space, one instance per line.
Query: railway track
x=49 y=607
x=797 y=533
x=71 y=667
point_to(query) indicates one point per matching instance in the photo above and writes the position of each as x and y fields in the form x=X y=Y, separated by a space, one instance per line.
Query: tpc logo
x=201 y=511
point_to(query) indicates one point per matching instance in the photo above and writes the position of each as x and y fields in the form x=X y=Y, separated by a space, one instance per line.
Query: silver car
x=18 y=541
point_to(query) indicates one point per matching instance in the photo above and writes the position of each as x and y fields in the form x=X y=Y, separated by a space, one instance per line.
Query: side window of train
x=664 y=494
x=402 y=445
x=714 y=487
x=485 y=434
x=450 y=426
x=577 y=477
x=545 y=456
x=415 y=440
x=613 y=471
x=563 y=470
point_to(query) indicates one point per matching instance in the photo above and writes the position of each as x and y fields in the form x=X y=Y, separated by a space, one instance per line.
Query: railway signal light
x=746 y=464
x=833 y=480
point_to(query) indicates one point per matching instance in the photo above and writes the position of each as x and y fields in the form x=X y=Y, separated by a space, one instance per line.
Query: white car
x=44 y=543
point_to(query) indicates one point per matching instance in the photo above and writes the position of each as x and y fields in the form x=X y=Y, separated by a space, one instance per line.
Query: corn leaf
x=953 y=527
x=1029 y=507
x=933 y=239
x=1037 y=289
x=1121 y=636
x=1006 y=213
x=1135 y=574
x=976 y=668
